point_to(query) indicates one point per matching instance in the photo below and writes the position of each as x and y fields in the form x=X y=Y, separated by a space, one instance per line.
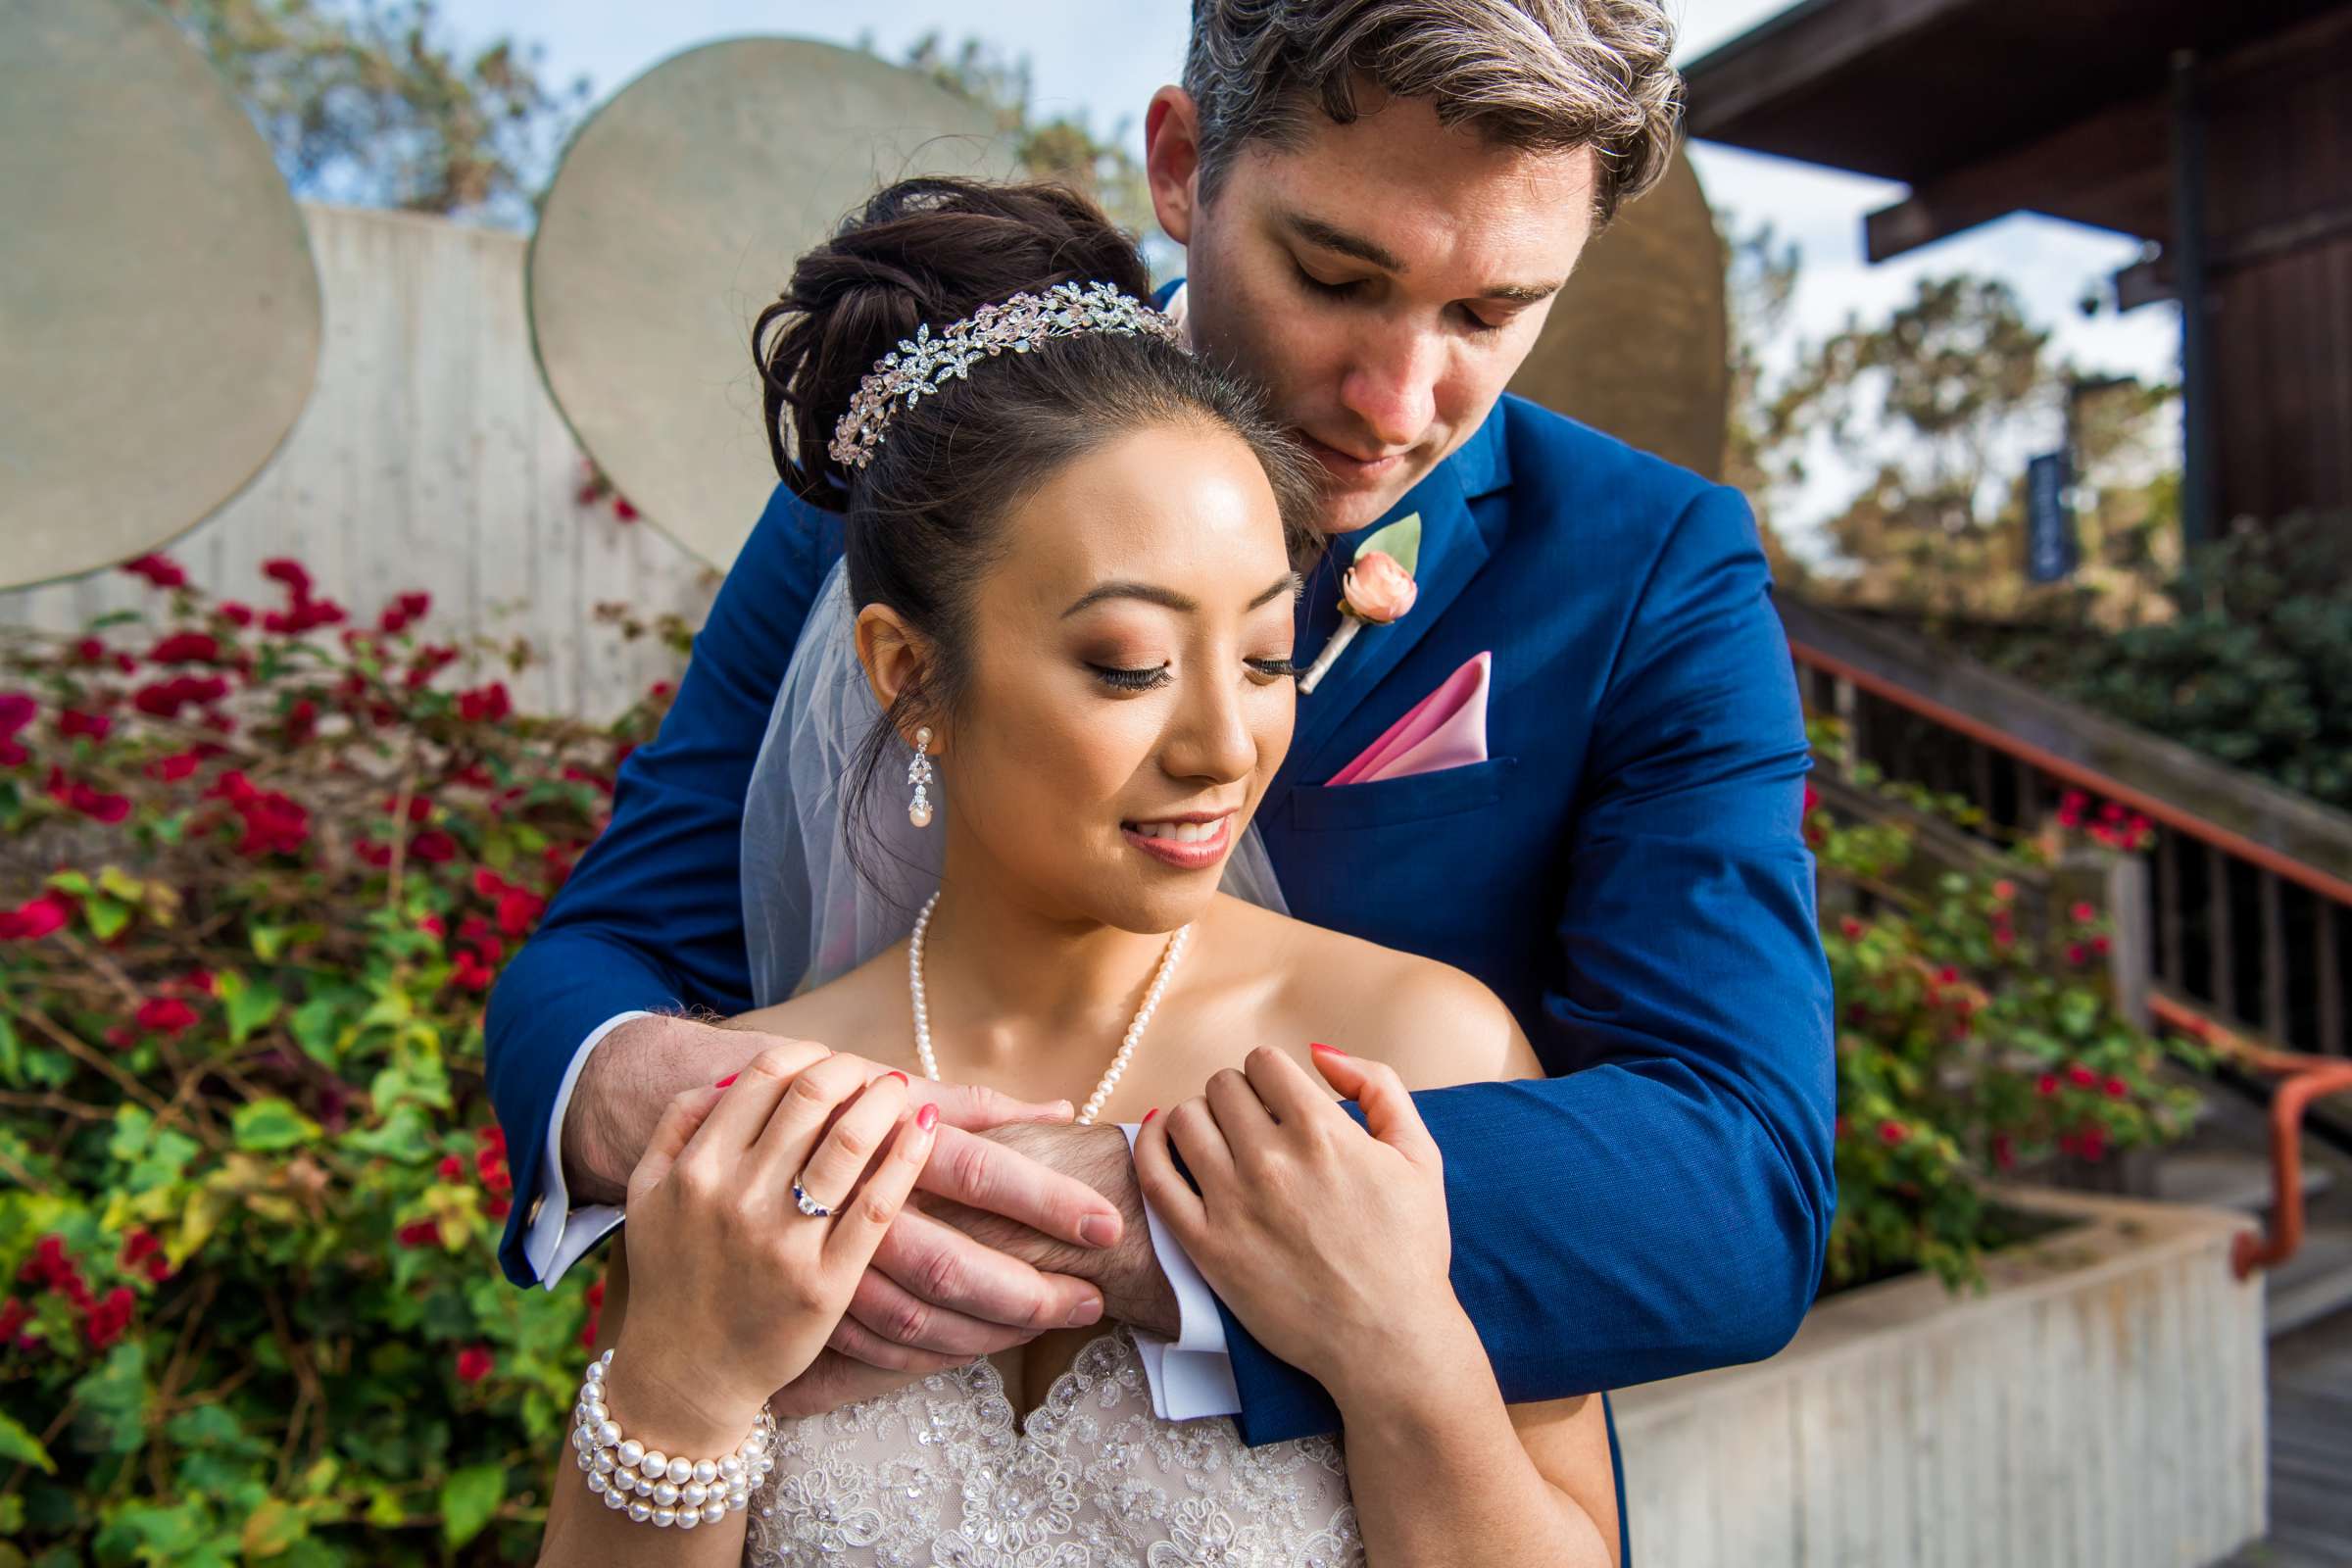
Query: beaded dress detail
x=940 y=1474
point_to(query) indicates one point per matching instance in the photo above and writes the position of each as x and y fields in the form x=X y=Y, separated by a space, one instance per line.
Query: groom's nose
x=1391 y=385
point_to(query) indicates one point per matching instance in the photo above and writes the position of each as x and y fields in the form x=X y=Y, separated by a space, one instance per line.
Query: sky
x=1102 y=58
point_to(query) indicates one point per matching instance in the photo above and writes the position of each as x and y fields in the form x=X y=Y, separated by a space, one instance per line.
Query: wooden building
x=2220 y=130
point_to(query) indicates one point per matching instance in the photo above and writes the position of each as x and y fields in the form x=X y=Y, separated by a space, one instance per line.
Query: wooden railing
x=2249 y=903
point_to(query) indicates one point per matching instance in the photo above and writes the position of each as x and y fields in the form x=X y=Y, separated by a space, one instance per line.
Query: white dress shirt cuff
x=1191 y=1375
x=560 y=1235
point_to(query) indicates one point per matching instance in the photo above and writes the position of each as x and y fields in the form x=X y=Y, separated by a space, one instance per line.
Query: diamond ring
x=809 y=1205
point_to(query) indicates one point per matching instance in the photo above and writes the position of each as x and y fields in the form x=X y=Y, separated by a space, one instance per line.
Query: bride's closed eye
x=1149 y=680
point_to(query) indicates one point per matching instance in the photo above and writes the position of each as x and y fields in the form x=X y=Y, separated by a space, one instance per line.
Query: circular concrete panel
x=159 y=312
x=676 y=217
x=1636 y=344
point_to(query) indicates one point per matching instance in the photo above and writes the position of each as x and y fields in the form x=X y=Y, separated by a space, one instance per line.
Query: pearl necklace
x=1119 y=1064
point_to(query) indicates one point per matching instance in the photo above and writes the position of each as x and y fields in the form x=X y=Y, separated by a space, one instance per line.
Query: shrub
x=1976 y=1035
x=258 y=868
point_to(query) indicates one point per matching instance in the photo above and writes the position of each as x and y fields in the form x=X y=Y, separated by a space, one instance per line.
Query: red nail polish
x=728 y=1079
x=899 y=1076
x=927 y=1117
x=1148 y=1114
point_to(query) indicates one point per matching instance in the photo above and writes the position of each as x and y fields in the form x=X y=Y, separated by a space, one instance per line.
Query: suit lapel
x=1452 y=549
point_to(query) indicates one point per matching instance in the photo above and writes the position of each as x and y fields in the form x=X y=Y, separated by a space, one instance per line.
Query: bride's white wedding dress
x=940 y=1475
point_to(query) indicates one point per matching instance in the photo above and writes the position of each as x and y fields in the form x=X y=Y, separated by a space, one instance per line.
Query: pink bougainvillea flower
x=17 y=709
x=73 y=721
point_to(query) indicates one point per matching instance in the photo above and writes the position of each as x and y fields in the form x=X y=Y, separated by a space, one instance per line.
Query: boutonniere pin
x=1378 y=588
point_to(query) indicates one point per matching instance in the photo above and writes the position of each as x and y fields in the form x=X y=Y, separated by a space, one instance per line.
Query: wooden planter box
x=2102 y=1403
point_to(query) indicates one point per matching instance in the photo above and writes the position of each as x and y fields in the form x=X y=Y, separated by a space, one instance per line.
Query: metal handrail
x=2301 y=1079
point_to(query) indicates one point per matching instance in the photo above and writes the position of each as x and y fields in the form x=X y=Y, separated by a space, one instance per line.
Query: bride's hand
x=735 y=1289
x=1329 y=1240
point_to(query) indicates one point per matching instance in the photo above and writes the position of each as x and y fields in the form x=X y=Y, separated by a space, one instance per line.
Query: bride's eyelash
x=1130 y=680
x=1144 y=680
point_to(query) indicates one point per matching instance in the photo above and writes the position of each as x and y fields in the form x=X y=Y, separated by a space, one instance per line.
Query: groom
x=1379 y=201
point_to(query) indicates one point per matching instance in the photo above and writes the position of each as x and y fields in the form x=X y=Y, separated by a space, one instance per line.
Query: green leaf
x=269 y=941
x=106 y=916
x=133 y=1125
x=268 y=1125
x=317 y=1028
x=469 y=1498
x=1400 y=540
x=22 y=1447
x=251 y=1004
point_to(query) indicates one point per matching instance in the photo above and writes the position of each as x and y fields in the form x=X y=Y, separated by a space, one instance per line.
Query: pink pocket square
x=1447 y=728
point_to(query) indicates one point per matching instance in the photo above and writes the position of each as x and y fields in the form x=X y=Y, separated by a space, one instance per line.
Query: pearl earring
x=919 y=774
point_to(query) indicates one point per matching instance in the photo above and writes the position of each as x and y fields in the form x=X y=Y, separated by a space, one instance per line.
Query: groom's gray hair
x=1545 y=75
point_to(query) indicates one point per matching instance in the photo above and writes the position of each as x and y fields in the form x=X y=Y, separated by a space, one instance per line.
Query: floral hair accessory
x=925 y=363
x=1379 y=588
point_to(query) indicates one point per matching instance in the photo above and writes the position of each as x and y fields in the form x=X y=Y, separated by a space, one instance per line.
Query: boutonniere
x=1378 y=588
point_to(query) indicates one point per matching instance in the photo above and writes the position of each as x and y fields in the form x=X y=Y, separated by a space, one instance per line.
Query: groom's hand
x=1135 y=1289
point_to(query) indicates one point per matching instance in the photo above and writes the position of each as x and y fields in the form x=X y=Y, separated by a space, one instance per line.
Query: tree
x=368 y=101
x=1760 y=273
x=1939 y=406
x=1063 y=148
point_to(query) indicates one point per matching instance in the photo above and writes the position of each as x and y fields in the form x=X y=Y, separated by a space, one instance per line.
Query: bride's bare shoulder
x=1434 y=1023
x=841 y=1013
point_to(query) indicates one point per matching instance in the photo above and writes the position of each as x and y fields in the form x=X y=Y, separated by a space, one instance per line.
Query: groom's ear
x=896 y=660
x=1172 y=161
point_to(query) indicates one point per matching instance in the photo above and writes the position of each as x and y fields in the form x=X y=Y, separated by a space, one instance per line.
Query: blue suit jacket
x=1628 y=870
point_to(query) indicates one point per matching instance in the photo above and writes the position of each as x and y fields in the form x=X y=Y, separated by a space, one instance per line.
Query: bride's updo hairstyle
x=920 y=519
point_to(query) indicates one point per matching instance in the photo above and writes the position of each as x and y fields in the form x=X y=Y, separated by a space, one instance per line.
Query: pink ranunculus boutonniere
x=1379 y=588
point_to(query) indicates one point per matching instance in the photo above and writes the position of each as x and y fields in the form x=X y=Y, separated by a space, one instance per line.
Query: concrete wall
x=2103 y=1404
x=430 y=457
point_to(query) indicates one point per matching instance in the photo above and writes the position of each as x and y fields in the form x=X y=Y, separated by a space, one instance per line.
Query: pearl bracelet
x=650 y=1486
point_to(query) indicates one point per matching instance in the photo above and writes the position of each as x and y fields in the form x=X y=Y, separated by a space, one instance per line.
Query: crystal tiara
x=924 y=363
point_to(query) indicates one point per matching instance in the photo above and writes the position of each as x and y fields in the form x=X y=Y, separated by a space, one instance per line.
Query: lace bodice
x=939 y=1475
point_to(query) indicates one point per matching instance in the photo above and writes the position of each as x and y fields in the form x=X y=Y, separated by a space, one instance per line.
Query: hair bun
x=922 y=251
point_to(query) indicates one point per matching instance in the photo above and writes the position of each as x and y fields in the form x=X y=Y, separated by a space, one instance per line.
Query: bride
x=1071 y=553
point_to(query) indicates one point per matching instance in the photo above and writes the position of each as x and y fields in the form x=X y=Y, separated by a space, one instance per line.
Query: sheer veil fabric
x=807 y=915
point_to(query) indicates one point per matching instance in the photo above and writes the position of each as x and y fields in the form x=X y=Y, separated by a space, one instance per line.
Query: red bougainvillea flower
x=289 y=571
x=166 y=1015
x=16 y=710
x=404 y=612
x=470 y=972
x=624 y=509
x=2077 y=954
x=161 y=571
x=235 y=614
x=475 y=1363
x=452 y=1169
x=1851 y=927
x=186 y=648
x=419 y=1234
x=433 y=846
x=34 y=919
x=110 y=1317
x=82 y=796
x=2081 y=1077
x=73 y=721
x=431 y=660
x=2117 y=1089
x=273 y=824
x=485 y=705
x=1892 y=1133
x=2092 y=1143
x=2046 y=1085
x=164 y=699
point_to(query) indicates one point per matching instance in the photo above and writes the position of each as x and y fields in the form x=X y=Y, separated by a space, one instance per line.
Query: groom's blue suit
x=1627 y=869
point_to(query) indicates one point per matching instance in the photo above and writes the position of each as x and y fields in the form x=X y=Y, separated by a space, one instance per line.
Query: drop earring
x=919 y=774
